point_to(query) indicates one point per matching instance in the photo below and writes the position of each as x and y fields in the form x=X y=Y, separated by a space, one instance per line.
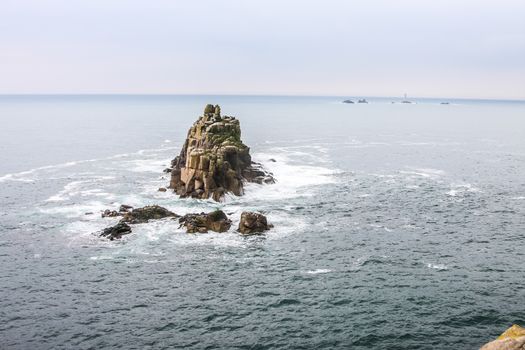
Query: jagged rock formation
x=253 y=223
x=147 y=213
x=512 y=339
x=213 y=160
x=108 y=213
x=133 y=216
x=217 y=221
x=201 y=223
x=116 y=232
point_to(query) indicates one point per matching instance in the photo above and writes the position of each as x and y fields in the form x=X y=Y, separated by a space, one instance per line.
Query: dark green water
x=396 y=226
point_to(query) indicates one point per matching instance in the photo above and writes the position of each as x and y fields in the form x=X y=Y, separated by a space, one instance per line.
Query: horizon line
x=253 y=95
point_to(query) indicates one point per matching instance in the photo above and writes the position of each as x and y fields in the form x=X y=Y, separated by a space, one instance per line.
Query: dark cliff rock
x=253 y=223
x=134 y=216
x=213 y=160
x=123 y=209
x=147 y=213
x=201 y=223
x=116 y=231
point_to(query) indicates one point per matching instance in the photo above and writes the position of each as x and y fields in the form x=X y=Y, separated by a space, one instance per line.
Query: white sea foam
x=424 y=172
x=75 y=210
x=318 y=271
x=22 y=176
x=148 y=165
x=78 y=188
x=440 y=267
x=461 y=189
x=293 y=179
x=101 y=257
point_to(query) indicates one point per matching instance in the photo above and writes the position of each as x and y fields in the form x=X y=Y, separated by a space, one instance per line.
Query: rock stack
x=213 y=160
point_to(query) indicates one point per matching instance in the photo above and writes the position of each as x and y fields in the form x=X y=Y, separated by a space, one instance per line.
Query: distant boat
x=362 y=101
x=445 y=103
x=405 y=100
x=348 y=101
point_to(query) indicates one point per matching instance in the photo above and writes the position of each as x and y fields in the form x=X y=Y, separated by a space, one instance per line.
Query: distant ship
x=405 y=100
x=445 y=103
x=348 y=101
x=362 y=101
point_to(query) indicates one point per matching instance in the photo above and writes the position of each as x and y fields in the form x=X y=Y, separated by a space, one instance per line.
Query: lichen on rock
x=134 y=216
x=201 y=223
x=512 y=339
x=147 y=213
x=214 y=160
x=253 y=223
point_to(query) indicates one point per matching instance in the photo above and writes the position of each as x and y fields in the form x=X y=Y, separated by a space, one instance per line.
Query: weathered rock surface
x=512 y=339
x=213 y=160
x=253 y=223
x=108 y=213
x=134 y=216
x=201 y=223
x=117 y=231
x=150 y=212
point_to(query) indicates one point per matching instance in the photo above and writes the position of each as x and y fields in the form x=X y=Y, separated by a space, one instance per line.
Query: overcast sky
x=434 y=48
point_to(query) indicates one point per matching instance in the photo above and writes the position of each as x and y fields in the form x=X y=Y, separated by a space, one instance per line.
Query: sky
x=438 y=48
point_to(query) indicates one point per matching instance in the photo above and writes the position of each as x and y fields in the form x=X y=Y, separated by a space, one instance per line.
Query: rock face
x=117 y=231
x=213 y=160
x=201 y=223
x=150 y=212
x=512 y=339
x=133 y=216
x=108 y=213
x=253 y=223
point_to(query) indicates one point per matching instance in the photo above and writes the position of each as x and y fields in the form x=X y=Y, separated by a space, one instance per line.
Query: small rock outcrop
x=201 y=223
x=253 y=223
x=147 y=213
x=213 y=160
x=512 y=339
x=116 y=232
x=108 y=213
x=134 y=216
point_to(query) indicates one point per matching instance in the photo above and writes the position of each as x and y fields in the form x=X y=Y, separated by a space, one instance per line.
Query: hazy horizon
x=299 y=48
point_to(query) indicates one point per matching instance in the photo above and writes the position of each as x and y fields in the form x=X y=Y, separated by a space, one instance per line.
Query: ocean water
x=396 y=226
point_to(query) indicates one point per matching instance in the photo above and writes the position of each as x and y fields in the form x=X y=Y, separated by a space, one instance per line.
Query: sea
x=396 y=226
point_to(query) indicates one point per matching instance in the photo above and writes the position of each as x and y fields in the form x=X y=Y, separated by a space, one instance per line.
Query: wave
x=293 y=178
x=439 y=267
x=424 y=172
x=21 y=176
x=318 y=271
x=462 y=189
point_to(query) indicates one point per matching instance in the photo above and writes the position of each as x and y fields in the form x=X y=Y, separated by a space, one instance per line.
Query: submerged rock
x=116 y=231
x=150 y=212
x=213 y=160
x=512 y=339
x=201 y=223
x=253 y=223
